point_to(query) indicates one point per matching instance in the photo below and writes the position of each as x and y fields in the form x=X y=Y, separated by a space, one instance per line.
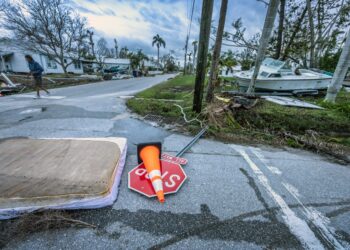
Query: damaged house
x=12 y=60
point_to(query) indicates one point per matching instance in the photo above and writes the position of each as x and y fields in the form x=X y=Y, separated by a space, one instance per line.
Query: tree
x=216 y=53
x=169 y=63
x=228 y=60
x=102 y=51
x=91 y=43
x=124 y=52
x=295 y=31
x=48 y=27
x=159 y=42
x=116 y=48
x=280 y=29
x=340 y=72
x=195 y=48
x=136 y=59
x=204 y=34
x=264 y=41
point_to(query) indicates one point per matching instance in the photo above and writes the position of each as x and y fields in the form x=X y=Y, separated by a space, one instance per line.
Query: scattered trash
x=8 y=81
x=65 y=178
x=173 y=177
x=171 y=173
x=285 y=101
x=8 y=86
x=226 y=100
x=236 y=102
x=149 y=155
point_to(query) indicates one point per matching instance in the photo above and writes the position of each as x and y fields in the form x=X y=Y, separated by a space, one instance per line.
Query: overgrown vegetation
x=265 y=123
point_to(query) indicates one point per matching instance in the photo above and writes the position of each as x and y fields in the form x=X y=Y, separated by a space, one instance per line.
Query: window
x=275 y=75
x=77 y=64
x=264 y=74
x=51 y=64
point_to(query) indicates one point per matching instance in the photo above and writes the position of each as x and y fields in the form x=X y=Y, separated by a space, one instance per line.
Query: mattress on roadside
x=75 y=173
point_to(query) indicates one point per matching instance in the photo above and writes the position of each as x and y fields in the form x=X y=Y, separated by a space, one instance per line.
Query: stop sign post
x=173 y=177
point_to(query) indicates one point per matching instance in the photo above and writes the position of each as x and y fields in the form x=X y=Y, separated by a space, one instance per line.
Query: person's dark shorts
x=38 y=81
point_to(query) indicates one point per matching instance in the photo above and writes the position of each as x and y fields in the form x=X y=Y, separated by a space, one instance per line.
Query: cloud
x=134 y=23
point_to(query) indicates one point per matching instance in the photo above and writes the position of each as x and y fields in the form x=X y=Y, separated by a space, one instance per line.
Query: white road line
x=261 y=157
x=296 y=225
x=52 y=97
x=314 y=216
x=319 y=220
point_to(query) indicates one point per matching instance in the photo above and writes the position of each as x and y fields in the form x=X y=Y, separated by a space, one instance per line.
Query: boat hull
x=285 y=84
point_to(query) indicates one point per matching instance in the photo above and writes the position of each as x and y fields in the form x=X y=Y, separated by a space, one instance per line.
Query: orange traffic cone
x=150 y=155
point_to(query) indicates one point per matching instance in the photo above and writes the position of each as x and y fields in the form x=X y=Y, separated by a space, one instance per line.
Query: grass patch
x=265 y=123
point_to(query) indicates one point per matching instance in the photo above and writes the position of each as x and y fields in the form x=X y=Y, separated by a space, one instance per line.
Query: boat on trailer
x=275 y=75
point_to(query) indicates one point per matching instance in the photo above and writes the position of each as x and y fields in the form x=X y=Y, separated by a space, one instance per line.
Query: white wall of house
x=112 y=62
x=17 y=63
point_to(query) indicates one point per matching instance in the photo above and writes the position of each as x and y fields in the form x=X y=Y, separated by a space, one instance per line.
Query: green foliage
x=329 y=61
x=263 y=123
x=158 y=41
x=137 y=58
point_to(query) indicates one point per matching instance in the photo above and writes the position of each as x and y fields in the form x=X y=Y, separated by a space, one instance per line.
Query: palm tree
x=159 y=42
x=340 y=72
x=264 y=41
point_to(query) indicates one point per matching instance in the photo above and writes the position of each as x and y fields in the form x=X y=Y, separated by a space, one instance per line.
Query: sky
x=134 y=22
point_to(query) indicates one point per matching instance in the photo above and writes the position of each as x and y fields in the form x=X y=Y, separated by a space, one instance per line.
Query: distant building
x=117 y=62
x=91 y=66
x=12 y=60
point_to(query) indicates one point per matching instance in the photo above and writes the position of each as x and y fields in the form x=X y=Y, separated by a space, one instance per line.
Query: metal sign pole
x=192 y=142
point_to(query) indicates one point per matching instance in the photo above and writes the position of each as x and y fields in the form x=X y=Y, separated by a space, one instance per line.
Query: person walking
x=36 y=71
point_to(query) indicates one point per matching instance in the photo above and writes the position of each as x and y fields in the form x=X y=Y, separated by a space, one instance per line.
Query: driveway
x=236 y=197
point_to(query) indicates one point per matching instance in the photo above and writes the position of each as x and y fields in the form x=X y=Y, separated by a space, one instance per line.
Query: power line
x=192 y=11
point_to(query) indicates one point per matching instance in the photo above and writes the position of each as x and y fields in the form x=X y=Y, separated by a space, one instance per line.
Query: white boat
x=275 y=75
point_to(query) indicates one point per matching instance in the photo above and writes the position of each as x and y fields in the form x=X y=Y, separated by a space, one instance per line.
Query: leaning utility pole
x=204 y=34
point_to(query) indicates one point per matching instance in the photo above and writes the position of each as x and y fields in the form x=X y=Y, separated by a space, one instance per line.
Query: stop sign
x=173 y=177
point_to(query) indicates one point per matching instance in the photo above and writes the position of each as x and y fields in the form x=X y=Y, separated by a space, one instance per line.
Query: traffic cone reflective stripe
x=150 y=157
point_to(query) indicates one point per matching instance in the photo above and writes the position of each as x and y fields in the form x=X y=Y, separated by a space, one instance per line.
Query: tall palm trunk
x=158 y=57
x=264 y=41
x=312 y=33
x=340 y=72
x=216 y=54
x=280 y=30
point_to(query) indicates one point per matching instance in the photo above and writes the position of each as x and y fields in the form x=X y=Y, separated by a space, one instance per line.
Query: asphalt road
x=236 y=197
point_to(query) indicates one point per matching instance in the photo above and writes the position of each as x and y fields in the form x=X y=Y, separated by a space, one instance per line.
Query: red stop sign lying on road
x=173 y=177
